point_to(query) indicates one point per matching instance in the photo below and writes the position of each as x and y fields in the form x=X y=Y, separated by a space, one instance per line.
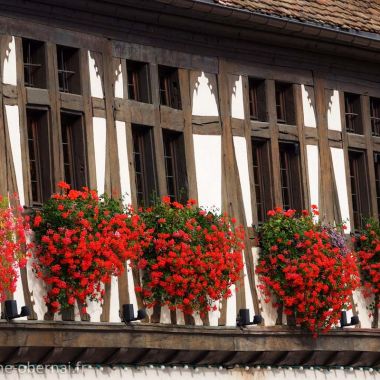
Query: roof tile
x=361 y=15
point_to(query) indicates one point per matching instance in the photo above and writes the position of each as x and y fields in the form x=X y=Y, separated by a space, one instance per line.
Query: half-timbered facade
x=241 y=106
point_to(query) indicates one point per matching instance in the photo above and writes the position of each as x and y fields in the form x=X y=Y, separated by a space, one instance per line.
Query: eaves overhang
x=43 y=342
x=195 y=25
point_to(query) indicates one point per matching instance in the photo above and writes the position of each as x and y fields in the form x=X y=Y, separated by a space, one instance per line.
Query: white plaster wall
x=361 y=308
x=341 y=184
x=145 y=373
x=334 y=121
x=204 y=93
x=119 y=89
x=94 y=309
x=13 y=122
x=9 y=67
x=237 y=103
x=18 y=295
x=308 y=103
x=95 y=78
x=240 y=145
x=208 y=166
x=131 y=286
x=313 y=173
x=269 y=313
x=122 y=150
x=114 y=301
x=247 y=288
x=100 y=142
x=231 y=307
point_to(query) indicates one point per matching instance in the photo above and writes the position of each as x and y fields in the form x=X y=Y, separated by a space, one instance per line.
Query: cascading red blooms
x=300 y=266
x=368 y=248
x=194 y=258
x=13 y=245
x=82 y=240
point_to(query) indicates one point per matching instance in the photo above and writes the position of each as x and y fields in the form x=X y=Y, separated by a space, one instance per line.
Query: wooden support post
x=326 y=188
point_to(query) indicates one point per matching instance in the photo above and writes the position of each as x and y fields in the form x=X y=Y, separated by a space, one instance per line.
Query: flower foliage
x=367 y=244
x=81 y=241
x=193 y=259
x=13 y=245
x=307 y=267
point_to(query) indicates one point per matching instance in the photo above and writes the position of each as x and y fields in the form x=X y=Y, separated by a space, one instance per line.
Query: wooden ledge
x=42 y=342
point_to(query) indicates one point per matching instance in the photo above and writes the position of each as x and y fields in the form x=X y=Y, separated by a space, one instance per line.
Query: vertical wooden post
x=231 y=182
x=302 y=144
x=186 y=99
x=326 y=188
x=23 y=137
x=274 y=134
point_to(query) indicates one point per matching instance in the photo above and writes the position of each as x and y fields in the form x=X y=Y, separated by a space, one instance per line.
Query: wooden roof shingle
x=356 y=15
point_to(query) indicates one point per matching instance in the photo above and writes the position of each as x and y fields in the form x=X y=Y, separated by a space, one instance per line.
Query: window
x=353 y=113
x=68 y=69
x=262 y=177
x=377 y=178
x=290 y=171
x=257 y=100
x=34 y=63
x=359 y=186
x=169 y=87
x=138 y=81
x=74 y=149
x=375 y=116
x=175 y=166
x=285 y=103
x=39 y=155
x=145 y=171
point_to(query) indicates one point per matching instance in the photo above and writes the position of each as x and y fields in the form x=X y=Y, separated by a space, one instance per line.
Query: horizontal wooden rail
x=141 y=344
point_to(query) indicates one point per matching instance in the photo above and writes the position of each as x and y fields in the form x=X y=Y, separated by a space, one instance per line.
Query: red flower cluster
x=81 y=241
x=368 y=249
x=13 y=245
x=302 y=266
x=193 y=259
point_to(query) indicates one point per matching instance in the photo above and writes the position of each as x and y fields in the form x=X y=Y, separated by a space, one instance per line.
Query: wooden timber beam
x=114 y=343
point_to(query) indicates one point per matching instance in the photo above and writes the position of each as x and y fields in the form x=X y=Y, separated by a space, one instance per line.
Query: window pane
x=175 y=167
x=34 y=63
x=353 y=113
x=359 y=187
x=144 y=164
x=74 y=149
x=290 y=174
x=284 y=103
x=170 y=94
x=262 y=178
x=39 y=155
x=68 y=69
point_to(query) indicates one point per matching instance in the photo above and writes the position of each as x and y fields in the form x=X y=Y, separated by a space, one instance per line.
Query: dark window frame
x=69 y=68
x=39 y=154
x=144 y=164
x=138 y=81
x=291 y=176
x=169 y=87
x=175 y=165
x=284 y=100
x=353 y=113
x=74 y=149
x=34 y=62
x=375 y=116
x=359 y=184
x=257 y=99
x=262 y=173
